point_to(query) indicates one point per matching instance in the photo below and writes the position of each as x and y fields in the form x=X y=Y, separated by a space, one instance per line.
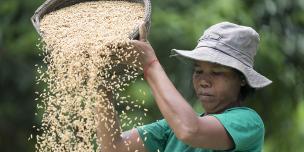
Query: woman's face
x=217 y=87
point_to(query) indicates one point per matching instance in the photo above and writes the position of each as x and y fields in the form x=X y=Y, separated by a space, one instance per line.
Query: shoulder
x=243 y=115
x=161 y=124
x=158 y=128
x=245 y=127
x=155 y=135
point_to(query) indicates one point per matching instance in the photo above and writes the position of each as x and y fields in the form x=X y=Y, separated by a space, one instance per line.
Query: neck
x=231 y=105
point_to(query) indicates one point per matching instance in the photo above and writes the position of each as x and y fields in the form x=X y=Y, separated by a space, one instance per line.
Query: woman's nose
x=205 y=81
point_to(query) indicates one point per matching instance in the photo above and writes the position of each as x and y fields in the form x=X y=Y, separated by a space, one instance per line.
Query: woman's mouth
x=206 y=97
x=205 y=94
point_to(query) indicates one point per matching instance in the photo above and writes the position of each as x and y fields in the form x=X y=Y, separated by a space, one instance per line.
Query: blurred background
x=175 y=24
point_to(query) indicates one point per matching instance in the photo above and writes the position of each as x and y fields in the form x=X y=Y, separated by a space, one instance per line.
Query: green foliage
x=175 y=24
x=18 y=55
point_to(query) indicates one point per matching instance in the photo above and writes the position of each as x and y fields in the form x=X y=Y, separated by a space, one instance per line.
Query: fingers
x=138 y=43
x=143 y=34
x=134 y=42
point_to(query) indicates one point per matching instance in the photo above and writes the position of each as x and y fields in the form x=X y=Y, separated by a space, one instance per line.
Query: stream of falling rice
x=85 y=46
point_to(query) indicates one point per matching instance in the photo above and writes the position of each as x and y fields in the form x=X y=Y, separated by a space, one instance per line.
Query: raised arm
x=205 y=132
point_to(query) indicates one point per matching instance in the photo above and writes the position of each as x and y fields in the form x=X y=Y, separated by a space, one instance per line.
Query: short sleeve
x=155 y=135
x=245 y=127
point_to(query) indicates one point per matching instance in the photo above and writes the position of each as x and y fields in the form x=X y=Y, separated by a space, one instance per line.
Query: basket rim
x=52 y=5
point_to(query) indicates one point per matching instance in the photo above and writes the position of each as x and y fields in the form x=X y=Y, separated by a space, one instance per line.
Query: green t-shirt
x=243 y=124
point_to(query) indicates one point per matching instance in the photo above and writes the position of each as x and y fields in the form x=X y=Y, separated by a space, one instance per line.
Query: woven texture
x=52 y=5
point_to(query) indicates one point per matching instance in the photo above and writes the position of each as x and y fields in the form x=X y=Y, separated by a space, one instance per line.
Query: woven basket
x=52 y=5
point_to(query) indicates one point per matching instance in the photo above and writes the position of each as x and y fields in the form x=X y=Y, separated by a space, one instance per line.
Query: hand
x=147 y=53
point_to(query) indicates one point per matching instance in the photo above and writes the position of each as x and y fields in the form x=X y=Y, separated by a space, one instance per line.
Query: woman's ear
x=243 y=82
x=242 y=78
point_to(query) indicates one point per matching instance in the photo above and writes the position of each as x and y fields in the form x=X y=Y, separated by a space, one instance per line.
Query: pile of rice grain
x=81 y=42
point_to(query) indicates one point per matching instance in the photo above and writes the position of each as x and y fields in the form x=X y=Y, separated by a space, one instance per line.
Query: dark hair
x=245 y=91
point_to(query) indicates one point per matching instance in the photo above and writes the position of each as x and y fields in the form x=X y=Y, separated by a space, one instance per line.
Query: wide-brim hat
x=230 y=45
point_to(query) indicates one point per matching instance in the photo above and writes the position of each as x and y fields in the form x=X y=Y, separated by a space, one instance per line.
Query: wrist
x=148 y=65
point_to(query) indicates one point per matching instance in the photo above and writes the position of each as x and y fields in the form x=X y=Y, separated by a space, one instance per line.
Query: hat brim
x=254 y=79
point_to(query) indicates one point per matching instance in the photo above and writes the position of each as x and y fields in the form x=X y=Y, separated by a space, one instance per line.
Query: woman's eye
x=216 y=73
x=198 y=71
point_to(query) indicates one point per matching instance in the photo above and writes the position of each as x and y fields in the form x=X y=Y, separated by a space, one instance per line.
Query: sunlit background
x=175 y=24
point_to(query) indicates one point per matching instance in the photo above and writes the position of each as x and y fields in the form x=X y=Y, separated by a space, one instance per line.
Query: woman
x=222 y=78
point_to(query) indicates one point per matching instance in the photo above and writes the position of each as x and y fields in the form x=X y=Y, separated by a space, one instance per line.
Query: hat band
x=226 y=50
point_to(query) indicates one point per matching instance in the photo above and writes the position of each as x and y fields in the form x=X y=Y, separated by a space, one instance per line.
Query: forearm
x=175 y=109
x=109 y=134
x=108 y=129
